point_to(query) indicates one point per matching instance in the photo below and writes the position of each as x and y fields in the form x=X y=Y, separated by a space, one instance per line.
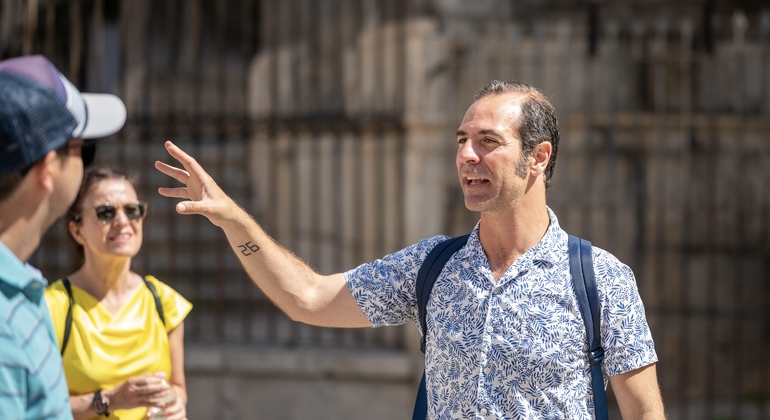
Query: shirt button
x=490 y=329
x=487 y=370
x=483 y=411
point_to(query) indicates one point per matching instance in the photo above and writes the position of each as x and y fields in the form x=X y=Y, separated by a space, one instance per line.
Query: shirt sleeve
x=626 y=336
x=385 y=288
x=175 y=306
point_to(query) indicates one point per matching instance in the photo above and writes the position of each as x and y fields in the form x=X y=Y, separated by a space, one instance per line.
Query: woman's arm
x=177 y=410
x=135 y=392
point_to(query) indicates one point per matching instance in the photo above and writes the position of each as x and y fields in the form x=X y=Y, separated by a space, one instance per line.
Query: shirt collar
x=15 y=277
x=541 y=254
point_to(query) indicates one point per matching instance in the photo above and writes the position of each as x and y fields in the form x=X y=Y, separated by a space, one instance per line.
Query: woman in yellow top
x=120 y=358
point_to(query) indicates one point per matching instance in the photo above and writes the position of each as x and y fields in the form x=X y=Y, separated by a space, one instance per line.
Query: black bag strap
x=158 y=305
x=582 y=271
x=68 y=319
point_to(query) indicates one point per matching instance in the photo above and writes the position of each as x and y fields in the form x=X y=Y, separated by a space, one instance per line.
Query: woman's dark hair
x=538 y=122
x=92 y=176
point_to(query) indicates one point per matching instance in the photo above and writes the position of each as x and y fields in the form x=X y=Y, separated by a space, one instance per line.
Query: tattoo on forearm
x=248 y=248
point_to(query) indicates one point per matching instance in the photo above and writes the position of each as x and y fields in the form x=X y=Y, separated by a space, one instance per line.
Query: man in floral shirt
x=505 y=334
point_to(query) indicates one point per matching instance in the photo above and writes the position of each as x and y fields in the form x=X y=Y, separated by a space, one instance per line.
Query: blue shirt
x=32 y=383
x=515 y=348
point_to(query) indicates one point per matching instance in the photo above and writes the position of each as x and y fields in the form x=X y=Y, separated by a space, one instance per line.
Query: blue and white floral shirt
x=513 y=348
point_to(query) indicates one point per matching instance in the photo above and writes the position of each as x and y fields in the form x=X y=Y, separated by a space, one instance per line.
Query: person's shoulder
x=154 y=280
x=56 y=289
x=161 y=288
x=607 y=264
x=56 y=296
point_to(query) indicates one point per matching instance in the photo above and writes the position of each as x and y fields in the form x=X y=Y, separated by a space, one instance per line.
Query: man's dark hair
x=538 y=122
x=9 y=181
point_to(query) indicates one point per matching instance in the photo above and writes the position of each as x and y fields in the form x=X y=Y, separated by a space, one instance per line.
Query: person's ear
x=46 y=170
x=541 y=155
x=74 y=229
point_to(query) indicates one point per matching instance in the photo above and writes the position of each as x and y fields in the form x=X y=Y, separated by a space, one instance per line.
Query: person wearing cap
x=47 y=128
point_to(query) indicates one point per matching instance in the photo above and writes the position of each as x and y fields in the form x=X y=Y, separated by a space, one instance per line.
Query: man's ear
x=541 y=155
x=46 y=170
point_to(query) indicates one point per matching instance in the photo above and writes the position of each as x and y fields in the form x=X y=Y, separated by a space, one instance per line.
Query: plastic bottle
x=155 y=413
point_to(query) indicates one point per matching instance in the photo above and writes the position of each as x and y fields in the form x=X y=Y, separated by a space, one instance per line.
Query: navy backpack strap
x=582 y=269
x=428 y=273
x=68 y=319
x=426 y=277
x=155 y=296
x=421 y=402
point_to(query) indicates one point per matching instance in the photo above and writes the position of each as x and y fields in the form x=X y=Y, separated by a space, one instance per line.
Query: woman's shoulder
x=56 y=290
x=175 y=306
x=164 y=291
x=56 y=296
x=162 y=288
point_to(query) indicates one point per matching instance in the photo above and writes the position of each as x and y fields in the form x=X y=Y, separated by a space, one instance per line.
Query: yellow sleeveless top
x=105 y=349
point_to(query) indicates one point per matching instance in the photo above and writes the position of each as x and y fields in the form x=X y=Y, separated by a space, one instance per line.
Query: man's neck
x=20 y=237
x=506 y=237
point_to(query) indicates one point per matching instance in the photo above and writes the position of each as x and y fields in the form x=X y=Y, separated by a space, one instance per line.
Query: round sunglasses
x=134 y=211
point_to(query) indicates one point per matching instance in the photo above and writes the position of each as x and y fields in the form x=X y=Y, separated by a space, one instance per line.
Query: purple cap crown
x=40 y=110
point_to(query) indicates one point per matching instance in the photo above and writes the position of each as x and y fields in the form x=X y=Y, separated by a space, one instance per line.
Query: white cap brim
x=97 y=114
x=106 y=115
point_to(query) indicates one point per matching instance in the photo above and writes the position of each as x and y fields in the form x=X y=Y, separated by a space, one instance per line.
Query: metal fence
x=308 y=114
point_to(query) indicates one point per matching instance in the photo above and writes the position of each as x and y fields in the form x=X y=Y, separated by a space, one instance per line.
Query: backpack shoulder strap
x=426 y=277
x=582 y=270
x=158 y=304
x=428 y=273
x=68 y=319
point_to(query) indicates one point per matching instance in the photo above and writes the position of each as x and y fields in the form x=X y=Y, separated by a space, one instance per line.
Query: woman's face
x=111 y=221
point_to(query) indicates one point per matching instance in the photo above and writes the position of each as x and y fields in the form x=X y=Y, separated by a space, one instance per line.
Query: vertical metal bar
x=686 y=31
x=657 y=167
x=610 y=199
x=764 y=215
x=270 y=41
x=638 y=58
x=195 y=61
x=538 y=57
x=587 y=176
x=249 y=302
x=711 y=247
x=50 y=27
x=30 y=29
x=739 y=26
x=76 y=41
x=95 y=63
x=764 y=40
x=220 y=130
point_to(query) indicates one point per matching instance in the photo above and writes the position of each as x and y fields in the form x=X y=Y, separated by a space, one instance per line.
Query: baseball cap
x=40 y=111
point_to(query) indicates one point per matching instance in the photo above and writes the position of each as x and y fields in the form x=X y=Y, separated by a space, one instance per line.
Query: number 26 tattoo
x=248 y=248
